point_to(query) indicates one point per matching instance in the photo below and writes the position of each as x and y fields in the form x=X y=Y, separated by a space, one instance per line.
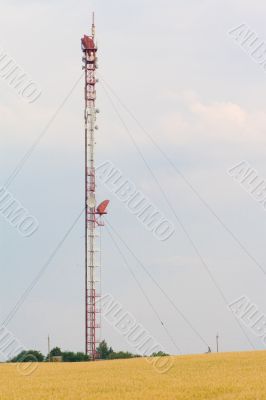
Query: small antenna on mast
x=93 y=25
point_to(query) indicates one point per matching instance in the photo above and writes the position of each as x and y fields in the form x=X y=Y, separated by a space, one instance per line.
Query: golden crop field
x=211 y=376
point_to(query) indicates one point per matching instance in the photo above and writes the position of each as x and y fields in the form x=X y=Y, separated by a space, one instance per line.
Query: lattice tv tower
x=93 y=213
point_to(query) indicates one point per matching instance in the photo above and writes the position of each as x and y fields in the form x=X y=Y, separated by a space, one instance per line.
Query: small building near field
x=56 y=359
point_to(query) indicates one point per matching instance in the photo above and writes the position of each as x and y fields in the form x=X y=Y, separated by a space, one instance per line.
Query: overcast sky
x=202 y=98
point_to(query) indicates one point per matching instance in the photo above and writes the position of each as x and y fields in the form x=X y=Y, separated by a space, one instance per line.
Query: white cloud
x=225 y=122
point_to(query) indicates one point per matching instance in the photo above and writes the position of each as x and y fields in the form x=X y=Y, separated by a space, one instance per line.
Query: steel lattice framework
x=92 y=214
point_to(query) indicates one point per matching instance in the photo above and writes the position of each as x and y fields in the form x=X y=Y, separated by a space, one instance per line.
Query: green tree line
x=104 y=353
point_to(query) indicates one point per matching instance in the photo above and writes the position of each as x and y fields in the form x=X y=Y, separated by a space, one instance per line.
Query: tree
x=120 y=354
x=55 y=352
x=80 y=357
x=69 y=356
x=28 y=356
x=103 y=350
x=107 y=353
x=159 y=354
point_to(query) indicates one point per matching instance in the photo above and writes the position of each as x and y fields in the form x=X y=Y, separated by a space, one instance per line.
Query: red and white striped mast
x=93 y=214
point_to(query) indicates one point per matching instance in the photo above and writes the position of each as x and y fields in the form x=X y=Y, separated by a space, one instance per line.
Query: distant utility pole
x=49 y=349
x=217 y=342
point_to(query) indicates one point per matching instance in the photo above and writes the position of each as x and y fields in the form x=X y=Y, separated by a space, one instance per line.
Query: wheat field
x=229 y=376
